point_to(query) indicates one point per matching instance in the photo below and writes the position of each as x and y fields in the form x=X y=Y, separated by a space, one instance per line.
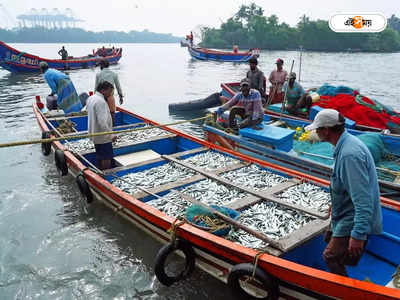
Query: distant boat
x=216 y=55
x=17 y=61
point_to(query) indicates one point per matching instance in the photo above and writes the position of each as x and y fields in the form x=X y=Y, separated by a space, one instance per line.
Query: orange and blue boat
x=262 y=264
x=217 y=55
x=17 y=61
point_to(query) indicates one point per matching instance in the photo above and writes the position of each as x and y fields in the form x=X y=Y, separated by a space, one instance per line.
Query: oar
x=233 y=222
x=71 y=137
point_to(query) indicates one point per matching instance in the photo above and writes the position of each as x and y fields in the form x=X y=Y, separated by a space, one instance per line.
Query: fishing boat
x=283 y=141
x=361 y=122
x=159 y=172
x=17 y=61
x=216 y=55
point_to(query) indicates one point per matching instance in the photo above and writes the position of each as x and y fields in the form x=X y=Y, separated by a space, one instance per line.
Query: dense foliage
x=249 y=28
x=77 y=35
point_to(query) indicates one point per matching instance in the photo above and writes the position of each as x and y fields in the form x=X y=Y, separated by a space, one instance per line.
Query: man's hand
x=121 y=99
x=355 y=247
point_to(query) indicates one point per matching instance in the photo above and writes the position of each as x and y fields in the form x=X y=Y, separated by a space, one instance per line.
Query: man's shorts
x=104 y=151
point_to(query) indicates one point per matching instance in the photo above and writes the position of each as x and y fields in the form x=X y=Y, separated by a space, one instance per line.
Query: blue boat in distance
x=17 y=61
x=216 y=55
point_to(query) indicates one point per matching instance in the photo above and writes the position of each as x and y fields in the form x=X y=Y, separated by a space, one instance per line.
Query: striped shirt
x=252 y=104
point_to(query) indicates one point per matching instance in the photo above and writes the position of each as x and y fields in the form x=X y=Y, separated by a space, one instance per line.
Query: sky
x=179 y=17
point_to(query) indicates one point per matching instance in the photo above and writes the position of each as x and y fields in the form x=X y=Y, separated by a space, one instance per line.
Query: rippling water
x=49 y=248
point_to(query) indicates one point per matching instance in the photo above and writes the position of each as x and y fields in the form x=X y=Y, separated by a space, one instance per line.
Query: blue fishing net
x=330 y=90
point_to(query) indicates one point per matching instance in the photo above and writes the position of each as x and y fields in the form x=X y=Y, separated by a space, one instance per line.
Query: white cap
x=325 y=118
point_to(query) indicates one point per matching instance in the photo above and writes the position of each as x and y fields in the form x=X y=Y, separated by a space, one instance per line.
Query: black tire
x=164 y=252
x=269 y=284
x=211 y=101
x=61 y=163
x=46 y=147
x=236 y=110
x=84 y=188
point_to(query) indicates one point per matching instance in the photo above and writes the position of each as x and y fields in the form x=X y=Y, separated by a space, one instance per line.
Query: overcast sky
x=180 y=16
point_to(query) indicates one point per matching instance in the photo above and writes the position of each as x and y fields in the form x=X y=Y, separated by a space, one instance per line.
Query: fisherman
x=191 y=39
x=296 y=97
x=102 y=52
x=277 y=78
x=356 y=210
x=247 y=103
x=256 y=77
x=99 y=120
x=61 y=84
x=107 y=75
x=63 y=53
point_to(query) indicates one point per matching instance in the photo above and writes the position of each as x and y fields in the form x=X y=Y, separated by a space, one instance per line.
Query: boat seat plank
x=188 y=152
x=304 y=234
x=260 y=194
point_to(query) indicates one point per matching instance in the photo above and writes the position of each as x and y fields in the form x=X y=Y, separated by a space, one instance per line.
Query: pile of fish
x=83 y=145
x=307 y=195
x=150 y=178
x=269 y=218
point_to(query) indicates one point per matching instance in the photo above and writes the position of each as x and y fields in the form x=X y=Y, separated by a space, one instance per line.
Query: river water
x=51 y=249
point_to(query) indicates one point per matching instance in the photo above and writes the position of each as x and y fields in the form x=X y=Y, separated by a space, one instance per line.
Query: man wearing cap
x=248 y=102
x=356 y=210
x=107 y=75
x=296 y=97
x=277 y=78
x=256 y=77
x=61 y=84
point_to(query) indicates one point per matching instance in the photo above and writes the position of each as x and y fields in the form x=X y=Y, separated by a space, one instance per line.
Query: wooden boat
x=16 y=61
x=289 y=266
x=230 y=89
x=216 y=55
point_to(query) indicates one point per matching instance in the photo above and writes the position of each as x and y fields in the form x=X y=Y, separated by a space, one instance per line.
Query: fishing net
x=375 y=145
x=330 y=90
x=203 y=218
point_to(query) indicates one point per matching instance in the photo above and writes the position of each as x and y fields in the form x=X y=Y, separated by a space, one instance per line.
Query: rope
x=214 y=224
x=62 y=138
x=174 y=226
x=255 y=263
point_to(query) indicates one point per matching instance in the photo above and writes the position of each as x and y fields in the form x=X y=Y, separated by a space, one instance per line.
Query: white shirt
x=99 y=118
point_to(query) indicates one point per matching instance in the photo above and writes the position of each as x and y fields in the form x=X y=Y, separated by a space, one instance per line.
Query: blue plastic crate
x=278 y=137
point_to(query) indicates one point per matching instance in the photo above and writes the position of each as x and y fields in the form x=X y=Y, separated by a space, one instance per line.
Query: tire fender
x=164 y=252
x=269 y=284
x=84 y=188
x=46 y=147
x=61 y=163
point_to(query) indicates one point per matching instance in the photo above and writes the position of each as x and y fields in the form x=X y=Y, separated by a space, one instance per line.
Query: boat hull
x=20 y=62
x=214 y=254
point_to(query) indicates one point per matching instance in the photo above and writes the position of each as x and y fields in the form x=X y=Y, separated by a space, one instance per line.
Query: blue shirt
x=252 y=104
x=293 y=94
x=356 y=207
x=52 y=77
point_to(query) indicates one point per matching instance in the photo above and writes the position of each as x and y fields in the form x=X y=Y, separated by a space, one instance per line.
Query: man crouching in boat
x=99 y=120
x=356 y=209
x=61 y=84
x=296 y=97
x=247 y=104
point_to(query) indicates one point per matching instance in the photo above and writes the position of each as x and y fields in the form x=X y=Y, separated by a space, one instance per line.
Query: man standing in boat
x=356 y=209
x=296 y=97
x=247 y=104
x=99 y=120
x=256 y=77
x=61 y=84
x=63 y=53
x=277 y=78
x=107 y=75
